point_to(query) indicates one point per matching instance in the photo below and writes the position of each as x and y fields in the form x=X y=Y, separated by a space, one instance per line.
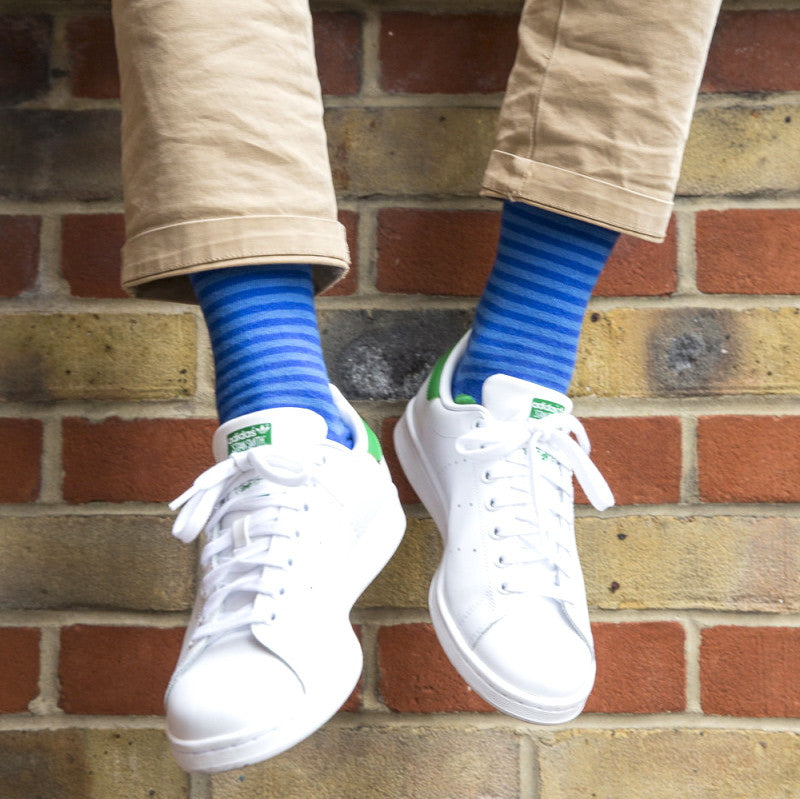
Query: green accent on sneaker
x=541 y=408
x=373 y=445
x=436 y=377
x=257 y=435
x=464 y=399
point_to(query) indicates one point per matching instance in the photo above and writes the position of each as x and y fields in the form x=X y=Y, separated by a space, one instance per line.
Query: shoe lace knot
x=525 y=458
x=247 y=505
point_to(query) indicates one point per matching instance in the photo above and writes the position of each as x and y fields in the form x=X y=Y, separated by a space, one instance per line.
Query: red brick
x=20 y=459
x=349 y=284
x=139 y=460
x=435 y=252
x=404 y=490
x=749 y=458
x=750 y=671
x=446 y=53
x=641 y=668
x=744 y=251
x=639 y=268
x=337 y=42
x=93 y=58
x=19 y=668
x=116 y=670
x=416 y=676
x=639 y=457
x=19 y=256
x=24 y=57
x=90 y=254
x=754 y=51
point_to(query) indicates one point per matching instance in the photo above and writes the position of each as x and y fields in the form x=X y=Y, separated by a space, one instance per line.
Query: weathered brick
x=50 y=357
x=404 y=490
x=744 y=563
x=89 y=764
x=378 y=354
x=92 y=57
x=365 y=761
x=113 y=562
x=90 y=254
x=337 y=43
x=689 y=352
x=641 y=668
x=446 y=53
x=750 y=671
x=665 y=764
x=749 y=458
x=748 y=251
x=20 y=459
x=24 y=56
x=639 y=268
x=59 y=155
x=435 y=252
x=639 y=457
x=742 y=151
x=409 y=151
x=19 y=259
x=19 y=668
x=138 y=460
x=417 y=677
x=754 y=51
x=349 y=283
x=120 y=671
x=405 y=580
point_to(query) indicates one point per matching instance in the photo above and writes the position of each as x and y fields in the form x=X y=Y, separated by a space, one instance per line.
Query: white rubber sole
x=376 y=546
x=488 y=685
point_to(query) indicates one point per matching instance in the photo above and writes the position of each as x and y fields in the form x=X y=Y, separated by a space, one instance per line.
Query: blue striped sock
x=529 y=317
x=266 y=344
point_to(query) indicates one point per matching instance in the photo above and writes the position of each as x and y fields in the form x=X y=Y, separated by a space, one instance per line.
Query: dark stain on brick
x=59 y=155
x=24 y=57
x=385 y=355
x=691 y=351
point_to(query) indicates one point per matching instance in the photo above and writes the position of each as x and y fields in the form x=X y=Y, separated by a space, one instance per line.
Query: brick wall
x=688 y=382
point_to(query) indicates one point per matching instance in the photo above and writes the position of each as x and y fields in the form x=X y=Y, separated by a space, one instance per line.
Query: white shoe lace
x=248 y=555
x=517 y=454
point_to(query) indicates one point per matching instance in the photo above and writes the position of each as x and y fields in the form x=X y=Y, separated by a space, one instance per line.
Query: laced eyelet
x=486 y=477
x=495 y=534
x=490 y=505
x=504 y=588
x=501 y=561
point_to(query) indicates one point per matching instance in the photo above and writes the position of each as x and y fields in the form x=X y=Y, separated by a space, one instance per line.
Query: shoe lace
x=242 y=561
x=522 y=457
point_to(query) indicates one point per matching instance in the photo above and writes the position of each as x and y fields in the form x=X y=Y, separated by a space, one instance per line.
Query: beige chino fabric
x=224 y=154
x=598 y=108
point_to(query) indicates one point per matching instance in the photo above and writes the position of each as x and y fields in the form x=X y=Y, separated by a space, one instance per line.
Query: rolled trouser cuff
x=155 y=263
x=511 y=177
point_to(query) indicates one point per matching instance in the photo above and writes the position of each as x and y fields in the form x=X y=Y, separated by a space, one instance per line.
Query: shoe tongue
x=510 y=398
x=294 y=428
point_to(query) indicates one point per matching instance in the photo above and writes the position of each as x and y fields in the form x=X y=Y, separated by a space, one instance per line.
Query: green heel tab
x=436 y=376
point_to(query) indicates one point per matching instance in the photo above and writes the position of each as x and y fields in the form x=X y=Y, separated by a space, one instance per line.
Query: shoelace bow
x=511 y=447
x=236 y=555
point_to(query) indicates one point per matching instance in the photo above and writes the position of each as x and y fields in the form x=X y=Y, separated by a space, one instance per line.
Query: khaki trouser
x=224 y=154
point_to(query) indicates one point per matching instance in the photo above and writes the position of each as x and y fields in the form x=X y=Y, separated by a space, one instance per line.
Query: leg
x=590 y=142
x=228 y=192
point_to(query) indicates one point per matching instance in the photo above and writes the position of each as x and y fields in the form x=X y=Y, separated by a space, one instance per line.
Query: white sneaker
x=296 y=528
x=507 y=601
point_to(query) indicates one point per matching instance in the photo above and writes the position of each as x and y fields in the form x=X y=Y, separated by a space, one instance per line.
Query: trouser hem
x=156 y=263
x=512 y=177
